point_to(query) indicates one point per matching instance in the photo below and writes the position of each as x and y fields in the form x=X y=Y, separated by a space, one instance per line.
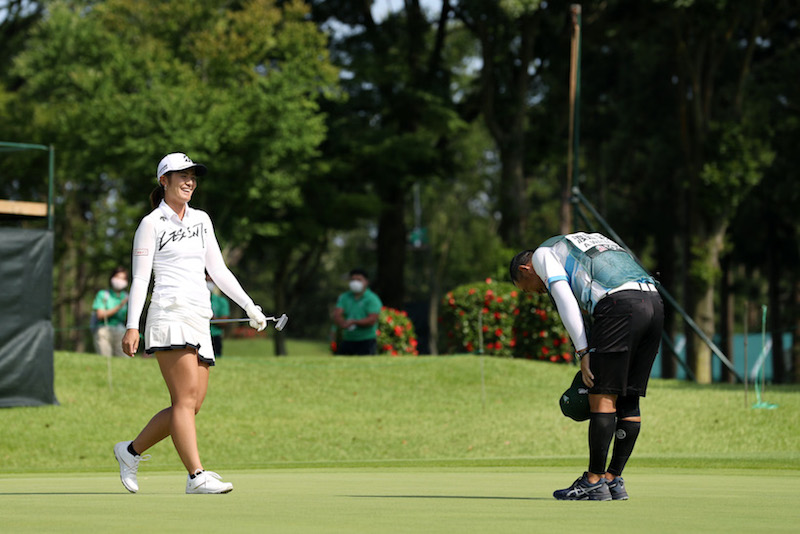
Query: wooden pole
x=574 y=96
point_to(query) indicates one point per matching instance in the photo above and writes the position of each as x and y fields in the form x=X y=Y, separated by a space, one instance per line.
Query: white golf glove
x=257 y=318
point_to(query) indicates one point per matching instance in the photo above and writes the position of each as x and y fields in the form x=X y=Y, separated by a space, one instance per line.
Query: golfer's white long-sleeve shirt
x=178 y=252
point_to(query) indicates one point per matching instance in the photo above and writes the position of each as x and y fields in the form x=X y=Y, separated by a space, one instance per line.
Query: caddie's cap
x=178 y=161
x=575 y=400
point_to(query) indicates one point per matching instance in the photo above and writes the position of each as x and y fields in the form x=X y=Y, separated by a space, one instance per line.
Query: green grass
x=315 y=444
x=391 y=500
x=300 y=411
x=261 y=346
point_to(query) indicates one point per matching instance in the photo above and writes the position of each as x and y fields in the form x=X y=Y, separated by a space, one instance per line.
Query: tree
x=392 y=131
x=507 y=33
x=629 y=135
x=17 y=17
x=723 y=152
x=766 y=229
x=464 y=243
x=116 y=84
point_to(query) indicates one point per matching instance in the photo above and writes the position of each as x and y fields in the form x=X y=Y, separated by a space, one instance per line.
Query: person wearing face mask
x=109 y=312
x=221 y=309
x=356 y=314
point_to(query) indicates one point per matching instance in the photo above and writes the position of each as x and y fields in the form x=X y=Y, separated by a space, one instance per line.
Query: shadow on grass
x=9 y=493
x=487 y=497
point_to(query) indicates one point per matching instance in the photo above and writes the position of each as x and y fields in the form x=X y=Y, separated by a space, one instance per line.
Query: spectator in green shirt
x=356 y=313
x=221 y=309
x=109 y=314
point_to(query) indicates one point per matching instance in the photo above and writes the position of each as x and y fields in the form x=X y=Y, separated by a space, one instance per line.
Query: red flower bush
x=507 y=322
x=396 y=333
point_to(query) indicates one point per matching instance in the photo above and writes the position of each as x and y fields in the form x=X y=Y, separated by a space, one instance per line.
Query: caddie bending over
x=590 y=272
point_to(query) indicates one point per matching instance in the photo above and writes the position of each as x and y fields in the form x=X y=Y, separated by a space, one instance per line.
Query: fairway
x=400 y=500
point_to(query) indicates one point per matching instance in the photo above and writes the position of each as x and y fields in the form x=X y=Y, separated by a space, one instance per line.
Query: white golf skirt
x=174 y=325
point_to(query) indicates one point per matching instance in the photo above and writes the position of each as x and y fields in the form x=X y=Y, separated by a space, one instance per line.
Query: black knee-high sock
x=625 y=439
x=601 y=430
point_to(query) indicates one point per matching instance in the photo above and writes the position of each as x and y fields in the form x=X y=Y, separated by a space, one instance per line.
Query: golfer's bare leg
x=602 y=403
x=182 y=373
x=158 y=427
x=156 y=430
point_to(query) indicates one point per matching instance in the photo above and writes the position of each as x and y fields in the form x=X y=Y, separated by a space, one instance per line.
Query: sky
x=380 y=8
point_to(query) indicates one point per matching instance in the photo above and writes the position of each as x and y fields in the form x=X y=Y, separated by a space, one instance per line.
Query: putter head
x=281 y=322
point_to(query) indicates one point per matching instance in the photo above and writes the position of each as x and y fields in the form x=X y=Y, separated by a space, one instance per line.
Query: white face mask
x=210 y=285
x=356 y=286
x=118 y=284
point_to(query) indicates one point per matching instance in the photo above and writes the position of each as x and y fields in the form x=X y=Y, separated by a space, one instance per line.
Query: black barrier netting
x=26 y=330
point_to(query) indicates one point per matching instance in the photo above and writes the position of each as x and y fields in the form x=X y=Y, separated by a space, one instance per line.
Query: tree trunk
x=65 y=291
x=391 y=254
x=504 y=107
x=665 y=274
x=438 y=265
x=688 y=292
x=703 y=314
x=668 y=365
x=79 y=337
x=727 y=317
x=705 y=263
x=513 y=197
x=795 y=331
x=60 y=304
x=433 y=320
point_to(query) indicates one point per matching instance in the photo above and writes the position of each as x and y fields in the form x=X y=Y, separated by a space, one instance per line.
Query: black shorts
x=216 y=342
x=367 y=347
x=624 y=340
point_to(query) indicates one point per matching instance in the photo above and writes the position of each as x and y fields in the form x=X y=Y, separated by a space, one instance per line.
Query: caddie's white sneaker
x=128 y=465
x=207 y=482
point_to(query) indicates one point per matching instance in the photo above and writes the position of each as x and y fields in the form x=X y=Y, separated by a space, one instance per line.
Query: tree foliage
x=332 y=129
x=115 y=85
x=393 y=130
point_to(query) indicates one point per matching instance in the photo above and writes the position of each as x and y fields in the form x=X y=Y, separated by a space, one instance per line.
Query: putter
x=280 y=322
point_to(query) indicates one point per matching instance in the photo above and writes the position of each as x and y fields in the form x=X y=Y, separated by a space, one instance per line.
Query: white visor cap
x=178 y=161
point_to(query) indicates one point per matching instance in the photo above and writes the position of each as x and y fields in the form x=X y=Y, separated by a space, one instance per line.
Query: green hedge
x=513 y=324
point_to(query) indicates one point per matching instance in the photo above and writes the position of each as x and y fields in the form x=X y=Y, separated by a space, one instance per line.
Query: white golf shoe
x=128 y=465
x=207 y=482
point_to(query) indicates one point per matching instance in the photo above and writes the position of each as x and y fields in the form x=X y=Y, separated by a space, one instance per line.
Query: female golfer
x=176 y=242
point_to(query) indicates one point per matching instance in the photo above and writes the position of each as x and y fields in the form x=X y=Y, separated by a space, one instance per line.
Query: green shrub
x=395 y=334
x=511 y=323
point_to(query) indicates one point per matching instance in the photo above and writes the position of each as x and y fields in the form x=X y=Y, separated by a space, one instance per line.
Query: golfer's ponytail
x=157 y=195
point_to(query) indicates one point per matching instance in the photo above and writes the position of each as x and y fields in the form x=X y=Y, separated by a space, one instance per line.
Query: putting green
x=485 y=500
